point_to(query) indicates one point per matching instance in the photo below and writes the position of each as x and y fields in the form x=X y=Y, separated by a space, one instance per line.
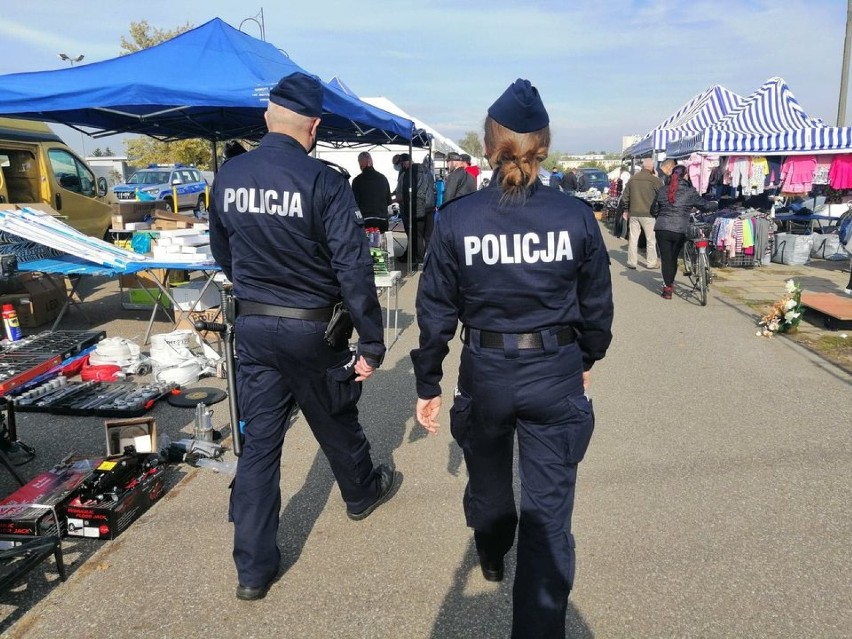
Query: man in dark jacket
x=458 y=181
x=372 y=193
x=637 y=200
x=569 y=181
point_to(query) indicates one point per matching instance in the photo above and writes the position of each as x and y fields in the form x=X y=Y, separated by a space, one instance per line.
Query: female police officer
x=525 y=270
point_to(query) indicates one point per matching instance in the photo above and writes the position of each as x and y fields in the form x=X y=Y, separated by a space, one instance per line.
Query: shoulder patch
x=359 y=219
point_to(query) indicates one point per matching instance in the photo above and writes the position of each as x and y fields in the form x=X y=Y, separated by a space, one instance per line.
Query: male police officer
x=287 y=232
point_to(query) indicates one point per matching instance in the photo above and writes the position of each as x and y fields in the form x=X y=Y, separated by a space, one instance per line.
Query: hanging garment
x=759 y=170
x=797 y=174
x=822 y=169
x=840 y=173
x=738 y=170
x=773 y=174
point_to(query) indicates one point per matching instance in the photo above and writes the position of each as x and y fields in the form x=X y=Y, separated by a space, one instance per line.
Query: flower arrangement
x=785 y=314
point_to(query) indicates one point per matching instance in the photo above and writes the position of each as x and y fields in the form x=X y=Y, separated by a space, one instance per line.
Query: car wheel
x=170 y=205
x=202 y=204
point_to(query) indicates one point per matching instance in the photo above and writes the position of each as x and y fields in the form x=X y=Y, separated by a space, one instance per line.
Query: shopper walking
x=636 y=200
x=674 y=205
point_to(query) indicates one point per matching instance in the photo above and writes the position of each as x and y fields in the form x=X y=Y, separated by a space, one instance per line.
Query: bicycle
x=696 y=259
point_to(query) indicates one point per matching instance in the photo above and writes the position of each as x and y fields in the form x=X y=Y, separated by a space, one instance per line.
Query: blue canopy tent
x=769 y=122
x=701 y=111
x=210 y=82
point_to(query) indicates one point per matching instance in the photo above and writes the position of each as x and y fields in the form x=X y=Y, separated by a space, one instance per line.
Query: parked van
x=37 y=167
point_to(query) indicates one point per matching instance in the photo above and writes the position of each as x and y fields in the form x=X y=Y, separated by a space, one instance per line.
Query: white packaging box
x=191 y=240
x=204 y=248
x=186 y=295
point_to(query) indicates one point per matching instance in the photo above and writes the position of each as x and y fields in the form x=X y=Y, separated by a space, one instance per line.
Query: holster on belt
x=339 y=328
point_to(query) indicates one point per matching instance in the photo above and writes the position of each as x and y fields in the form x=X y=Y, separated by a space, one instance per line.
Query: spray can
x=11 y=324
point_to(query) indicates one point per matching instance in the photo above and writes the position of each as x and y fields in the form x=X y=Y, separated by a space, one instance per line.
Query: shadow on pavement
x=487 y=612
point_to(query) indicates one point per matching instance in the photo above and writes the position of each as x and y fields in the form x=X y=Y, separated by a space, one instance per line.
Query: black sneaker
x=387 y=481
x=492 y=570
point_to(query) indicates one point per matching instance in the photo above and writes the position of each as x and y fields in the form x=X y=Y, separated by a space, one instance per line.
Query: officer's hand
x=427 y=413
x=362 y=369
x=587 y=380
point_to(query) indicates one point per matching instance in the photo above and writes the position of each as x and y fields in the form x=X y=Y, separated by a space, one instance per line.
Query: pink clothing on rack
x=699 y=167
x=840 y=173
x=797 y=174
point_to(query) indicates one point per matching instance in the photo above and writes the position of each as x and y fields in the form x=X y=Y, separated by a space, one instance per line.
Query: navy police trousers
x=283 y=362
x=537 y=393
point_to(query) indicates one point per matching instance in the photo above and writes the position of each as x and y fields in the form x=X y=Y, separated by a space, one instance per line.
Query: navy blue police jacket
x=512 y=268
x=286 y=231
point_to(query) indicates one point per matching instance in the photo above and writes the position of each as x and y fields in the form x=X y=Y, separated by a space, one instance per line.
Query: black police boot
x=492 y=569
x=387 y=481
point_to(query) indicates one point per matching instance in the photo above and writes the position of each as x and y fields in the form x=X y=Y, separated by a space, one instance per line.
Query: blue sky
x=605 y=68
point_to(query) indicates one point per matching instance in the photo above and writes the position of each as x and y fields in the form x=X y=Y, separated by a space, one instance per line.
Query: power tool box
x=115 y=495
x=29 y=510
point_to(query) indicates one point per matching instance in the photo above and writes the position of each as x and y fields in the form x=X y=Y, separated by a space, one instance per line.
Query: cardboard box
x=40 y=301
x=27 y=511
x=143 y=278
x=142 y=298
x=188 y=296
x=108 y=519
x=133 y=211
x=187 y=323
x=140 y=432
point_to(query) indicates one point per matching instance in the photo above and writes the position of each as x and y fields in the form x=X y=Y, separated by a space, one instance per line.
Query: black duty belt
x=487 y=339
x=245 y=307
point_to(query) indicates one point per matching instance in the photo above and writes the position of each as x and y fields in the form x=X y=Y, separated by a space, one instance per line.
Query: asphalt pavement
x=713 y=502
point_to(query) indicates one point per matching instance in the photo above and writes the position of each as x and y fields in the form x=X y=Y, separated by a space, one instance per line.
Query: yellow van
x=37 y=167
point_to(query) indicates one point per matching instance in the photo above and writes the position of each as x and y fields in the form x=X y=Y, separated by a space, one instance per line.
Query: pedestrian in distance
x=569 y=181
x=526 y=272
x=458 y=181
x=636 y=200
x=372 y=193
x=673 y=207
x=293 y=255
x=471 y=168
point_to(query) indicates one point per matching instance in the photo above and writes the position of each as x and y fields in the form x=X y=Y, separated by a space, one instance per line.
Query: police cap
x=452 y=156
x=520 y=108
x=299 y=93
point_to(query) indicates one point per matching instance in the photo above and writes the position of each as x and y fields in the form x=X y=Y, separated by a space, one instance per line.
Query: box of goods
x=139 y=432
x=132 y=212
x=143 y=278
x=189 y=296
x=39 y=301
x=117 y=493
x=142 y=298
x=187 y=322
x=30 y=509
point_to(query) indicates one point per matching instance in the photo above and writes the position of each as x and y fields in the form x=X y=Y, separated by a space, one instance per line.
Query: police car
x=159 y=182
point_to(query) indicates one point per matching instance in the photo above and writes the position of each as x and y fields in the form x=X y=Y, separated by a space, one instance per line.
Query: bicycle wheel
x=690 y=263
x=703 y=277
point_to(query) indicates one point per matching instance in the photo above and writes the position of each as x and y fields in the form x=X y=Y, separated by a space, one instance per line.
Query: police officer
x=287 y=232
x=524 y=268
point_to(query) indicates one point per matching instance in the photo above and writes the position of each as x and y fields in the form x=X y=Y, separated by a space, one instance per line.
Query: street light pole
x=844 y=72
x=71 y=60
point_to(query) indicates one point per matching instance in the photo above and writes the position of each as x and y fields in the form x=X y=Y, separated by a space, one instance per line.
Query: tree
x=552 y=161
x=143 y=36
x=97 y=153
x=145 y=150
x=108 y=152
x=470 y=143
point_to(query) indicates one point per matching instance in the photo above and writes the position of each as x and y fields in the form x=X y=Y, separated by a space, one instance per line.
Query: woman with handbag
x=673 y=206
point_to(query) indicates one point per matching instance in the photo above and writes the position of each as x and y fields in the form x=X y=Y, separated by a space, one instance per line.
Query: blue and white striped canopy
x=770 y=121
x=704 y=109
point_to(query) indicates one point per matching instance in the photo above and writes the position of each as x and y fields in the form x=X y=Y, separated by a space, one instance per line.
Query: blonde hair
x=518 y=156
